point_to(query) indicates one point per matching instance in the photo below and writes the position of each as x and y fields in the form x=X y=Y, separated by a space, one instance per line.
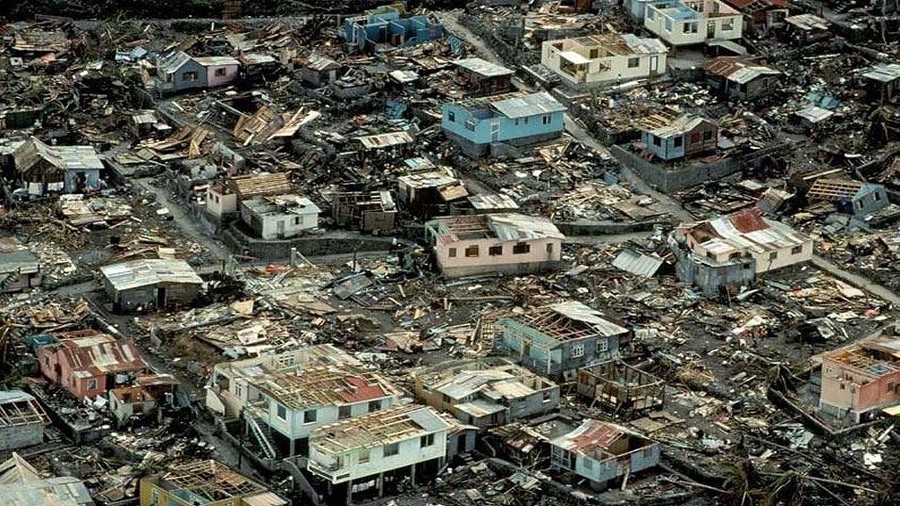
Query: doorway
x=161 y=297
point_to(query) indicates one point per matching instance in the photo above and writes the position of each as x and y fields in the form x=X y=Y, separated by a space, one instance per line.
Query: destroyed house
x=150 y=283
x=386 y=25
x=604 y=58
x=728 y=252
x=143 y=398
x=761 y=13
x=670 y=137
x=882 y=82
x=20 y=268
x=808 y=27
x=41 y=168
x=734 y=78
x=180 y=71
x=848 y=196
x=22 y=420
x=482 y=78
x=620 y=388
x=293 y=393
x=507 y=243
x=687 y=22
x=88 y=363
x=485 y=393
x=319 y=70
x=557 y=339
x=22 y=485
x=205 y=483
x=408 y=440
x=426 y=194
x=224 y=199
x=861 y=379
x=478 y=124
x=364 y=211
x=603 y=452
x=280 y=216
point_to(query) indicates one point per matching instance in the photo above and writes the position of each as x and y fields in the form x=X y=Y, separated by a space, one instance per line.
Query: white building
x=407 y=440
x=686 y=22
x=280 y=217
x=508 y=243
x=599 y=59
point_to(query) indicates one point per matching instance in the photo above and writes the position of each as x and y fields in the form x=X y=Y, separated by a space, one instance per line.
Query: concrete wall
x=227 y=73
x=239 y=242
x=281 y=225
x=850 y=392
x=673 y=179
x=20 y=436
x=764 y=261
x=220 y=204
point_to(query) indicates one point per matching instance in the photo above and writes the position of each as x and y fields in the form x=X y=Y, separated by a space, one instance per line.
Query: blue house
x=478 y=125
x=637 y=8
x=555 y=340
x=671 y=138
x=385 y=25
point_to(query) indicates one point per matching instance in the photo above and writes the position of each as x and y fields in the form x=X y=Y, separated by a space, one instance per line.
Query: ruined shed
x=20 y=268
x=848 y=196
x=365 y=211
x=41 y=168
x=481 y=78
x=205 y=483
x=620 y=388
x=150 y=283
x=22 y=420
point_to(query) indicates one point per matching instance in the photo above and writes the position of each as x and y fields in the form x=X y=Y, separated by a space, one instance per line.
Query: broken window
x=451 y=116
x=657 y=141
x=472 y=251
x=426 y=440
x=374 y=406
x=547 y=396
x=189 y=76
x=796 y=250
x=92 y=384
x=634 y=63
x=707 y=135
x=344 y=412
x=391 y=449
x=679 y=141
x=594 y=53
x=876 y=196
x=451 y=253
x=602 y=344
x=470 y=124
x=577 y=350
x=651 y=14
x=691 y=27
x=587 y=463
x=310 y=416
x=546 y=119
x=495 y=251
x=298 y=220
x=516 y=122
x=550 y=248
x=364 y=456
x=521 y=248
x=281 y=412
x=727 y=25
x=221 y=72
x=773 y=256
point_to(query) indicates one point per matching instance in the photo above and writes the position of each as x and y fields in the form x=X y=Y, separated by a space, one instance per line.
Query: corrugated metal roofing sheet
x=637 y=263
x=484 y=67
x=137 y=273
x=528 y=105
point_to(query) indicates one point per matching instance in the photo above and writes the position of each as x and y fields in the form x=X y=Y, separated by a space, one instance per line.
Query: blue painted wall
x=379 y=28
x=667 y=149
x=190 y=66
x=507 y=129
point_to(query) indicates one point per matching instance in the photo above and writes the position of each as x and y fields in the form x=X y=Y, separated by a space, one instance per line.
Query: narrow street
x=857 y=281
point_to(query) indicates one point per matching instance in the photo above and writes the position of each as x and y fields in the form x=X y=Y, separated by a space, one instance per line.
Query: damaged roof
x=746 y=230
x=152 y=271
x=883 y=72
x=22 y=485
x=379 y=428
x=503 y=226
x=528 y=105
x=596 y=440
x=736 y=70
x=65 y=158
x=15 y=257
x=482 y=67
x=96 y=354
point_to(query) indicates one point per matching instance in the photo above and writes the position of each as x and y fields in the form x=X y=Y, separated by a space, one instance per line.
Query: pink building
x=508 y=243
x=861 y=379
x=87 y=363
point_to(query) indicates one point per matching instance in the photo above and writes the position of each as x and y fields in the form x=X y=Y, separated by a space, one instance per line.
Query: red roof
x=748 y=220
x=361 y=390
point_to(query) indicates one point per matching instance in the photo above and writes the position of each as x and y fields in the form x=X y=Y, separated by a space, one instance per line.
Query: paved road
x=188 y=224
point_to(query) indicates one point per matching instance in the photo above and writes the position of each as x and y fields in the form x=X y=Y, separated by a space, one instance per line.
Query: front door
x=161 y=297
x=280 y=228
x=711 y=30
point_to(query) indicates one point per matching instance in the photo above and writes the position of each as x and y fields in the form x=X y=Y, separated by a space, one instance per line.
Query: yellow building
x=205 y=483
